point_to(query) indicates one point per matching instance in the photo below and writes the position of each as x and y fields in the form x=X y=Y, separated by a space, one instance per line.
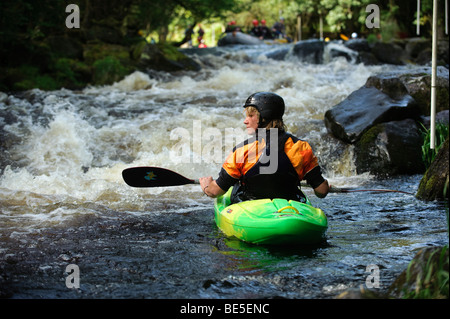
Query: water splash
x=75 y=143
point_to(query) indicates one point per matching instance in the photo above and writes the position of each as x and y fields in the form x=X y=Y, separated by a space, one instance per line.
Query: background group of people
x=261 y=31
x=190 y=31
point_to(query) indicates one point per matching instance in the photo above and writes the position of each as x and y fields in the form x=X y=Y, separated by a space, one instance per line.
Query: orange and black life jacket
x=252 y=171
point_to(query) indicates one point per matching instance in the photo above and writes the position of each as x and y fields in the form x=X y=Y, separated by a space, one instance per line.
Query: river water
x=63 y=201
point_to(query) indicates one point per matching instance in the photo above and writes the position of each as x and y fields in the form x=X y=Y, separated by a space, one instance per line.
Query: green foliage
x=32 y=78
x=428 y=154
x=68 y=72
x=156 y=15
x=340 y=16
x=433 y=281
x=108 y=71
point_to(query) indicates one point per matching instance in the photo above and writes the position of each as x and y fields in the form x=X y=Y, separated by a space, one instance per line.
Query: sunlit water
x=63 y=200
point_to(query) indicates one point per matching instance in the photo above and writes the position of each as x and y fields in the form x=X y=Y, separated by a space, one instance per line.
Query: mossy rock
x=390 y=148
x=108 y=71
x=434 y=181
x=164 y=57
x=99 y=51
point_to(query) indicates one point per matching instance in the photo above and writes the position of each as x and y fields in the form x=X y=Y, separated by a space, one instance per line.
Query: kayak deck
x=266 y=221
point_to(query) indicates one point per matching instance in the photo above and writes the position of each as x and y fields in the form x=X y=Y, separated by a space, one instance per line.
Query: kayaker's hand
x=210 y=187
x=204 y=182
x=322 y=190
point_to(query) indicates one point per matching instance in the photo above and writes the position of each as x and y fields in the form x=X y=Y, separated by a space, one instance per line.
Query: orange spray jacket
x=266 y=169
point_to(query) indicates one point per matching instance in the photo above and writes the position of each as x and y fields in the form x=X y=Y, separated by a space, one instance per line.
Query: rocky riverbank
x=103 y=55
x=385 y=119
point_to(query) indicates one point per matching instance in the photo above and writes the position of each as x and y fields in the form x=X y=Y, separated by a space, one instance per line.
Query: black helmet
x=269 y=105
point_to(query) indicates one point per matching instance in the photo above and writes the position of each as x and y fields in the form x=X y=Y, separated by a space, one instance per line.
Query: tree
x=156 y=15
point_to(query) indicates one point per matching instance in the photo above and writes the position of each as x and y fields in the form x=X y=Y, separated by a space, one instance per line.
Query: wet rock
x=380 y=117
x=436 y=178
x=380 y=120
x=390 y=148
x=333 y=51
x=399 y=52
x=389 y=53
x=359 y=45
x=415 y=46
x=278 y=54
x=417 y=84
x=365 y=108
x=310 y=51
x=367 y=58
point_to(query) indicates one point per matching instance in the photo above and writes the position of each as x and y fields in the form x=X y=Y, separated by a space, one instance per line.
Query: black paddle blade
x=148 y=176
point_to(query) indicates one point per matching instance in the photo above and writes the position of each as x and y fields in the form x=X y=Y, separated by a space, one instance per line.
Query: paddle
x=334 y=189
x=148 y=176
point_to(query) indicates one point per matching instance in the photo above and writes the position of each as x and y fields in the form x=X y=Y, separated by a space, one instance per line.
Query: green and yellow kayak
x=267 y=221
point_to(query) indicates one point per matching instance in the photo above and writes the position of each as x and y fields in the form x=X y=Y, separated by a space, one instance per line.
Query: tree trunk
x=187 y=36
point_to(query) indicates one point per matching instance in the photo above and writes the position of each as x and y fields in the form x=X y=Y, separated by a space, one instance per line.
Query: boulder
x=416 y=83
x=415 y=46
x=310 y=51
x=336 y=50
x=359 y=45
x=390 y=148
x=365 y=108
x=435 y=180
x=278 y=54
x=390 y=53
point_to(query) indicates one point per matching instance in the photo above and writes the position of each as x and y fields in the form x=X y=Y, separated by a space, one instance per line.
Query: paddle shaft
x=148 y=176
x=334 y=189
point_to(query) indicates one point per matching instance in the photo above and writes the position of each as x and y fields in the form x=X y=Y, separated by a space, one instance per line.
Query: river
x=63 y=201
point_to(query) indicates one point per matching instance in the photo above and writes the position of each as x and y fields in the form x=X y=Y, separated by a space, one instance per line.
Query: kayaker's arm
x=322 y=190
x=210 y=187
x=318 y=183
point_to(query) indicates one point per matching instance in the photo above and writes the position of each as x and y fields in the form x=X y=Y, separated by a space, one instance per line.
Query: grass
x=441 y=135
x=433 y=281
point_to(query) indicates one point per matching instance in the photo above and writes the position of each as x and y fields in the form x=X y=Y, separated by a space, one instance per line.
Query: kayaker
x=244 y=167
